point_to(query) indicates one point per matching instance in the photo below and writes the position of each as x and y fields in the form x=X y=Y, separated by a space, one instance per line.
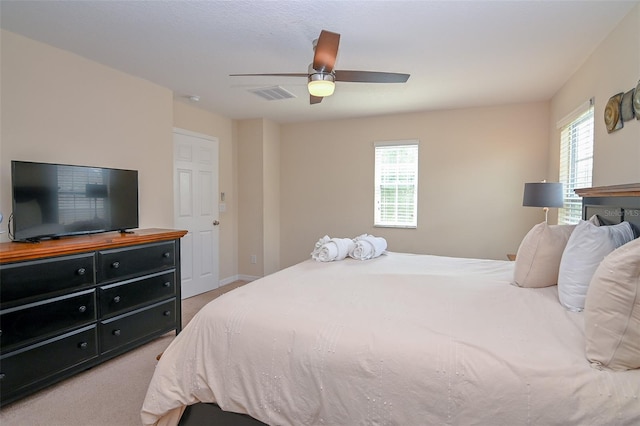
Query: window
x=396 y=184
x=576 y=159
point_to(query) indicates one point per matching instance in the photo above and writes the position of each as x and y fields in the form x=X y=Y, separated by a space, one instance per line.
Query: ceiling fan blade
x=371 y=76
x=286 y=74
x=314 y=99
x=326 y=51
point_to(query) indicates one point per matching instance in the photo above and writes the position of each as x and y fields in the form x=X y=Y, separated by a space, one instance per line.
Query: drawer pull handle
x=83 y=345
x=116 y=299
x=166 y=255
x=81 y=271
x=167 y=284
x=82 y=308
x=166 y=313
x=116 y=332
x=115 y=265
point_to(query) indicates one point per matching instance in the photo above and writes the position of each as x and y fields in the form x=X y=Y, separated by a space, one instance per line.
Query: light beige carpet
x=109 y=394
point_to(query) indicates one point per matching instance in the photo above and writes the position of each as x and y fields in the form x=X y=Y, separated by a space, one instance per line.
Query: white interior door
x=195 y=161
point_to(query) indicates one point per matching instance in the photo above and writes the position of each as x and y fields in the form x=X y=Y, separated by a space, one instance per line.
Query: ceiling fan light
x=321 y=85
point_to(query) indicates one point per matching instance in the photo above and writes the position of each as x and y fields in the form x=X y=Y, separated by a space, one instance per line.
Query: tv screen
x=54 y=200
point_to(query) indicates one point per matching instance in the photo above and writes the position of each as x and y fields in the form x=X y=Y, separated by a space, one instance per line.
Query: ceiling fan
x=322 y=76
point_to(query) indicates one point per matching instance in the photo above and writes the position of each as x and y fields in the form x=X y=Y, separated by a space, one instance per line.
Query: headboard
x=613 y=204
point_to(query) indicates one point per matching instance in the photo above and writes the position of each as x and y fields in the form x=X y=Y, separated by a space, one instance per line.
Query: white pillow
x=587 y=246
x=539 y=254
x=612 y=310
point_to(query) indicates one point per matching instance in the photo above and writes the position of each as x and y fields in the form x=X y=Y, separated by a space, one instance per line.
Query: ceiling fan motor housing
x=322 y=76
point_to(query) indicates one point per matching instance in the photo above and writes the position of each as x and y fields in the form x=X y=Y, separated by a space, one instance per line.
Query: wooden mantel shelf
x=626 y=190
x=16 y=252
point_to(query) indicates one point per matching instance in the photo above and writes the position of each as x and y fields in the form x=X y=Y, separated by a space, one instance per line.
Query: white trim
x=569 y=118
x=228 y=280
x=396 y=143
x=194 y=134
x=396 y=226
x=248 y=277
x=237 y=277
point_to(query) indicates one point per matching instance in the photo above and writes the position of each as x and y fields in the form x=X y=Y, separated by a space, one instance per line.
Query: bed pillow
x=539 y=254
x=612 y=310
x=587 y=246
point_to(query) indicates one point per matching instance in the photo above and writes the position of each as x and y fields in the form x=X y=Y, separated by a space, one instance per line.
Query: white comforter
x=397 y=340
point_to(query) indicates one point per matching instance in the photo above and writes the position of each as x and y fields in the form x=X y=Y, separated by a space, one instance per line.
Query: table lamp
x=543 y=194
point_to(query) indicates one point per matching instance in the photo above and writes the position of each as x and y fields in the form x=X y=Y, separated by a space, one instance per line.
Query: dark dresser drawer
x=38 y=362
x=41 y=278
x=116 y=298
x=121 y=263
x=139 y=324
x=28 y=323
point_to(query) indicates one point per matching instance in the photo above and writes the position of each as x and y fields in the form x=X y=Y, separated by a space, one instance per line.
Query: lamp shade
x=93 y=190
x=543 y=194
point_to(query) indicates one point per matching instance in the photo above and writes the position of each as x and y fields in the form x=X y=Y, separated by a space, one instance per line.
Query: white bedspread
x=397 y=340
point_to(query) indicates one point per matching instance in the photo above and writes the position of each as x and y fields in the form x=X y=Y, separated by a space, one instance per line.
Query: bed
x=401 y=339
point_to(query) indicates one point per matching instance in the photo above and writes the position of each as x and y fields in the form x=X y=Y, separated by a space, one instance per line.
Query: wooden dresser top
x=15 y=252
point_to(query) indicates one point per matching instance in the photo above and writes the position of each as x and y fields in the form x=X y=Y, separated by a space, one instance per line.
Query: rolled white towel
x=368 y=247
x=333 y=249
x=316 y=248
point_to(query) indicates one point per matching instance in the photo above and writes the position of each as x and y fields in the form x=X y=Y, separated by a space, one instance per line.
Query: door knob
x=216 y=223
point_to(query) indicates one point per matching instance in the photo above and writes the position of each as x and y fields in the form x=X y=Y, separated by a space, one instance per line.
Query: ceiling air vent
x=274 y=93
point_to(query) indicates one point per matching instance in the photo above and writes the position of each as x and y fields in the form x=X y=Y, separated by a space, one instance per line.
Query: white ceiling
x=459 y=53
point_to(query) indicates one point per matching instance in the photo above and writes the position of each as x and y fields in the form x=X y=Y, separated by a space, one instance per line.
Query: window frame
x=580 y=125
x=378 y=221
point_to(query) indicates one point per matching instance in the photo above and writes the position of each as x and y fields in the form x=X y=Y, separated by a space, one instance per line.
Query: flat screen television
x=55 y=200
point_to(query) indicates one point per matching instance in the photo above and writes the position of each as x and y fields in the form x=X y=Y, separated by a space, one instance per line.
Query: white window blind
x=576 y=159
x=75 y=204
x=396 y=184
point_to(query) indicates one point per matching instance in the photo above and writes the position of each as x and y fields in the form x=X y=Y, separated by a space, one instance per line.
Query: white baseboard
x=235 y=278
x=248 y=277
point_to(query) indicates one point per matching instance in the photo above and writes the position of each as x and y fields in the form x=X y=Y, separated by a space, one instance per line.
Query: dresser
x=69 y=304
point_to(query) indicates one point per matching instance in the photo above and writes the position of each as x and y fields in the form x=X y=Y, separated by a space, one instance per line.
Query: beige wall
x=59 y=107
x=189 y=117
x=259 y=197
x=271 y=196
x=250 y=197
x=473 y=164
x=613 y=67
